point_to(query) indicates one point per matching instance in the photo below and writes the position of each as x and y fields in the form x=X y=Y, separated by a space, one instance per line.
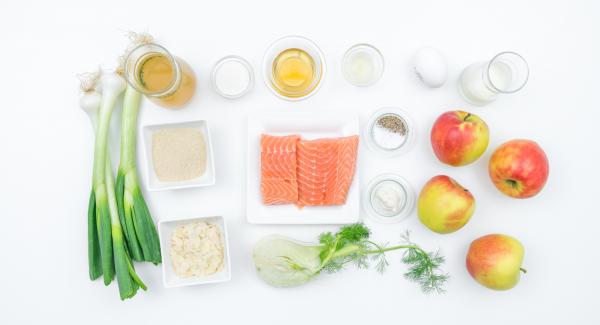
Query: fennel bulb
x=284 y=262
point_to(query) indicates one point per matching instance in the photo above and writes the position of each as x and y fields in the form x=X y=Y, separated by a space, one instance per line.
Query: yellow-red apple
x=445 y=206
x=495 y=261
x=519 y=168
x=459 y=138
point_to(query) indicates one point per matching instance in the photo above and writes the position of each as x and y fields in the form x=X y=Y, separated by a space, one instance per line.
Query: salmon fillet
x=325 y=168
x=278 y=183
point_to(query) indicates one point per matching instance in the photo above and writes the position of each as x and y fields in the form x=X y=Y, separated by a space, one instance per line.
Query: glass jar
x=506 y=73
x=389 y=198
x=167 y=80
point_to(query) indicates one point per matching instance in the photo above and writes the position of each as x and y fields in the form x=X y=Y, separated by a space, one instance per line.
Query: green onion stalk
x=139 y=228
x=90 y=103
x=127 y=279
x=108 y=254
x=110 y=91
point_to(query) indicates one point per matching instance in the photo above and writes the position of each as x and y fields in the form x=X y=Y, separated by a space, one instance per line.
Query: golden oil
x=294 y=73
x=156 y=73
x=168 y=85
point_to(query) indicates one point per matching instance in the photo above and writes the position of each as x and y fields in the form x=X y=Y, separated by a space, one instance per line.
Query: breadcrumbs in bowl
x=178 y=155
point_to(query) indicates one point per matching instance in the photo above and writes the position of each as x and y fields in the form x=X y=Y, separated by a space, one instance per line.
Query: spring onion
x=107 y=249
x=141 y=234
x=139 y=228
x=90 y=103
x=112 y=86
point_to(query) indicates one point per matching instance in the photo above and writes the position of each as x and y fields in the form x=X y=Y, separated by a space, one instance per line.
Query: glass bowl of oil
x=294 y=68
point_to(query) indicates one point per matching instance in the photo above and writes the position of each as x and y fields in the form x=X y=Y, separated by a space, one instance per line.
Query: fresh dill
x=351 y=244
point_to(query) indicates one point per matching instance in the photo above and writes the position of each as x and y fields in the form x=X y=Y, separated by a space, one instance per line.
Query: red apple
x=444 y=206
x=495 y=261
x=459 y=138
x=519 y=168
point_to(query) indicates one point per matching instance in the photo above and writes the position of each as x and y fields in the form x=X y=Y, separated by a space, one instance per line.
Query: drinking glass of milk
x=506 y=73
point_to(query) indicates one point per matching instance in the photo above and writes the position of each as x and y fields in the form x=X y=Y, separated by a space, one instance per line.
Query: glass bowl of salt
x=390 y=131
x=232 y=77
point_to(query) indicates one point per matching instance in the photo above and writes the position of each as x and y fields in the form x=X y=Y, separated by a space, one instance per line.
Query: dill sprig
x=424 y=267
x=351 y=244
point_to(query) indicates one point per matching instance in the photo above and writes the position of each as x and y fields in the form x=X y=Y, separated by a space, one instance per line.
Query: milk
x=506 y=73
x=479 y=89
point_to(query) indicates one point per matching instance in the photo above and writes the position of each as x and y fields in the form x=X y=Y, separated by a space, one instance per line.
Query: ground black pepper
x=392 y=123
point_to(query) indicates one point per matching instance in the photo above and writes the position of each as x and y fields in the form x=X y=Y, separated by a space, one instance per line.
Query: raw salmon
x=325 y=168
x=278 y=183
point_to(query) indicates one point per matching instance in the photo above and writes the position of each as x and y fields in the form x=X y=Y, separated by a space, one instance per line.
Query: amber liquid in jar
x=294 y=73
x=157 y=74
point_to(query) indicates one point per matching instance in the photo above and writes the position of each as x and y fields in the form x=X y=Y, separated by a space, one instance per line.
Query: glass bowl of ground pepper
x=390 y=131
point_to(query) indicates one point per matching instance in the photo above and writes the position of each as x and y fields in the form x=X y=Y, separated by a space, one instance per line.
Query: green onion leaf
x=95 y=264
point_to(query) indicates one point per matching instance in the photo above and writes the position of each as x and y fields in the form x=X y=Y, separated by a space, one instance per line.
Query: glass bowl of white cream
x=389 y=198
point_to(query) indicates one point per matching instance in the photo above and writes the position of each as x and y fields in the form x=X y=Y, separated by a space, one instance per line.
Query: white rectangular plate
x=309 y=125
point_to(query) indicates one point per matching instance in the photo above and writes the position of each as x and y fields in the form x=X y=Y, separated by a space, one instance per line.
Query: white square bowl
x=153 y=183
x=170 y=279
x=309 y=125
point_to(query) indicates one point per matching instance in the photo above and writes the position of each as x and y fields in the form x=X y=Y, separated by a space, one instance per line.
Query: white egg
x=430 y=66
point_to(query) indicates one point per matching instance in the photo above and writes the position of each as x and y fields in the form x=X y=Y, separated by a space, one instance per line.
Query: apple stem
x=512 y=183
x=523 y=270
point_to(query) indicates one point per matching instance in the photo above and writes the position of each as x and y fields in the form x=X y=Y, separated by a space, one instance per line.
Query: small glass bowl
x=407 y=199
x=397 y=144
x=237 y=59
x=374 y=54
x=294 y=42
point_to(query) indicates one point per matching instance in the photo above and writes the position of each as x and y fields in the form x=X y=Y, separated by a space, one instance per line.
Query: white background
x=46 y=157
